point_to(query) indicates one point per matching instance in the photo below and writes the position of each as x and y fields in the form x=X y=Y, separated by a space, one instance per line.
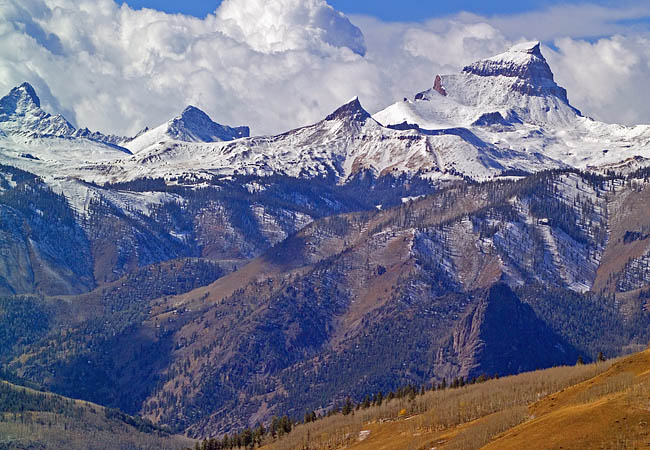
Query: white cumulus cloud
x=279 y=64
x=281 y=25
x=606 y=78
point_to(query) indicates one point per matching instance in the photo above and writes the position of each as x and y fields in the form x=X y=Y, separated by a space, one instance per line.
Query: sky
x=386 y=10
x=278 y=64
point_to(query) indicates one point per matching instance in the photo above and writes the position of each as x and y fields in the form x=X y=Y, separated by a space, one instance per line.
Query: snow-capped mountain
x=192 y=125
x=499 y=116
x=512 y=88
x=48 y=145
x=337 y=145
x=346 y=142
x=21 y=114
x=511 y=101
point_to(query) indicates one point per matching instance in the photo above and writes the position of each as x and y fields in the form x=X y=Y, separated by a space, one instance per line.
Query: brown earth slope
x=611 y=410
x=600 y=406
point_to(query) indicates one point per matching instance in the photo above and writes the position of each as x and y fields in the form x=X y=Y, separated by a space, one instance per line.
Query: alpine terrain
x=207 y=280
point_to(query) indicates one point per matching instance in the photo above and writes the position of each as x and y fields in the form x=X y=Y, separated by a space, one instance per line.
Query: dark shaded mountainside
x=475 y=278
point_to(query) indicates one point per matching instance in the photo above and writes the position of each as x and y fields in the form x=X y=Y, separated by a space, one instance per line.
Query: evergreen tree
x=285 y=425
x=258 y=434
x=347 y=407
x=275 y=426
x=247 y=438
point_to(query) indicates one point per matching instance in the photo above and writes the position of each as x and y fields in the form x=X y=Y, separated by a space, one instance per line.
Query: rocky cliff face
x=499 y=335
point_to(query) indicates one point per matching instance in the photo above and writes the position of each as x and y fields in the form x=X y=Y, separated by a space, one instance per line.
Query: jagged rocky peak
x=352 y=110
x=141 y=132
x=19 y=100
x=110 y=139
x=524 y=62
x=438 y=87
x=193 y=125
x=21 y=113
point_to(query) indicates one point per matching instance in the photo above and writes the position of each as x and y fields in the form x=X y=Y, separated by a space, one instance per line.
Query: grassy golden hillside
x=611 y=410
x=604 y=405
x=32 y=419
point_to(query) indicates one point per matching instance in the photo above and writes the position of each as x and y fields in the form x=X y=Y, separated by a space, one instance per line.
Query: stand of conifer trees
x=281 y=426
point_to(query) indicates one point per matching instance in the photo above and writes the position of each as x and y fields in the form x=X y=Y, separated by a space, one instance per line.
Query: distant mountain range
x=209 y=280
x=498 y=116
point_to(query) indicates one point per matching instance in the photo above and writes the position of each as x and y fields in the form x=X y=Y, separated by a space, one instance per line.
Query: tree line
x=279 y=427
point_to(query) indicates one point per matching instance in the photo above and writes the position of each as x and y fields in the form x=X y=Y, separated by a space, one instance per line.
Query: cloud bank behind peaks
x=270 y=64
x=279 y=64
x=281 y=25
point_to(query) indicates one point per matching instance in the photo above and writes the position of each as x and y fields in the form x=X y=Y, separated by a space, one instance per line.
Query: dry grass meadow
x=604 y=405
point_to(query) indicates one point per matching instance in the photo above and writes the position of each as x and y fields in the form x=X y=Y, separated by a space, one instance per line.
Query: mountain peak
x=19 y=100
x=27 y=91
x=191 y=111
x=352 y=110
x=525 y=63
x=21 y=113
x=523 y=60
x=530 y=48
x=194 y=125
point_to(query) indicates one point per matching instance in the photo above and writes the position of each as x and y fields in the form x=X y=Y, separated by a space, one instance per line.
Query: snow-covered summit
x=22 y=119
x=526 y=63
x=20 y=99
x=530 y=47
x=512 y=101
x=21 y=114
x=516 y=86
x=192 y=125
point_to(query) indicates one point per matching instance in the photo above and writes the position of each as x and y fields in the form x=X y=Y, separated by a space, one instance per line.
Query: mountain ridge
x=498 y=116
x=191 y=125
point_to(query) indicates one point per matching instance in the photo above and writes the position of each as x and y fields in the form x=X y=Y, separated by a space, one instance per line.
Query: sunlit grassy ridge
x=602 y=405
